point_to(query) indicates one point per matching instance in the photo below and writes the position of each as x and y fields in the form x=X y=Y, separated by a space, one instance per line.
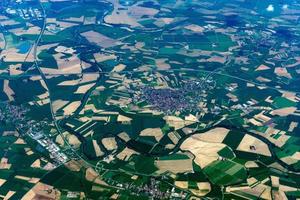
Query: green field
x=225 y=172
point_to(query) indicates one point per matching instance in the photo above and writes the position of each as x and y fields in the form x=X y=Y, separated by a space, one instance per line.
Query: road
x=55 y=122
x=210 y=73
x=108 y=73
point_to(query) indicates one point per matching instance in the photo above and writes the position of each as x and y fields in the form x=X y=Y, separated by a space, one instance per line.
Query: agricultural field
x=127 y=99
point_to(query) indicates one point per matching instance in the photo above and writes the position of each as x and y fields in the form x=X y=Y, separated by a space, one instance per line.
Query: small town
x=147 y=99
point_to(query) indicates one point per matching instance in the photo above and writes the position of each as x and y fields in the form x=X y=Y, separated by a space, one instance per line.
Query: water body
x=24 y=47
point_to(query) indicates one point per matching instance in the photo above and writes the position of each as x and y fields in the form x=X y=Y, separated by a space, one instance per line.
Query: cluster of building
x=15 y=115
x=185 y=98
x=54 y=151
x=10 y=114
x=25 y=13
x=152 y=189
